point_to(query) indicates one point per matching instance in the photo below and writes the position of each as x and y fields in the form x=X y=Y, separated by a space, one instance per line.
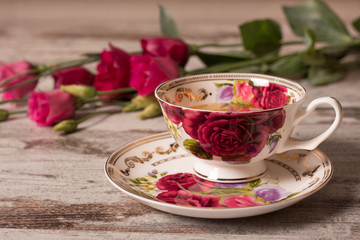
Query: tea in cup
x=231 y=122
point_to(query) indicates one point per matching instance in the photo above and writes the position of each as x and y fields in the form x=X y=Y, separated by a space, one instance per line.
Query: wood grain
x=53 y=186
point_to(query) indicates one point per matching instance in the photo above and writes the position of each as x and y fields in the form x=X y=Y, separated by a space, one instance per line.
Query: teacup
x=232 y=122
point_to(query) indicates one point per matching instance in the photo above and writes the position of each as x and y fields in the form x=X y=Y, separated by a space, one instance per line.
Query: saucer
x=157 y=172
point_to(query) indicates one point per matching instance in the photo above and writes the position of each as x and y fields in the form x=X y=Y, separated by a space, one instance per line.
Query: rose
x=176 y=181
x=47 y=108
x=224 y=94
x=11 y=69
x=243 y=90
x=75 y=75
x=270 y=193
x=241 y=201
x=188 y=199
x=174 y=48
x=233 y=136
x=113 y=70
x=272 y=96
x=276 y=119
x=175 y=114
x=192 y=121
x=148 y=72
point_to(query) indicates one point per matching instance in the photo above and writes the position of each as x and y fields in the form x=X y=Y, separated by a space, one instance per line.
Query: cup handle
x=303 y=113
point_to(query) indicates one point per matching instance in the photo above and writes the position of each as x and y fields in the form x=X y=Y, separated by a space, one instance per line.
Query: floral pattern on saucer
x=157 y=172
x=189 y=190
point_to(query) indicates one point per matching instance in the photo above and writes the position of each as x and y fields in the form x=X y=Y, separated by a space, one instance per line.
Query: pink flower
x=148 y=72
x=242 y=201
x=75 y=75
x=174 y=48
x=113 y=70
x=47 y=108
x=11 y=69
x=189 y=199
x=243 y=90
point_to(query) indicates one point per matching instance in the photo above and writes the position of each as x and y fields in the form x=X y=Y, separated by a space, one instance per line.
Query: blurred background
x=45 y=31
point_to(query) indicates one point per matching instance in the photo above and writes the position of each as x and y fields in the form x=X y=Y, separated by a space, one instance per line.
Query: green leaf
x=211 y=58
x=291 y=66
x=322 y=75
x=316 y=15
x=356 y=24
x=261 y=36
x=195 y=148
x=314 y=58
x=260 y=68
x=167 y=23
x=309 y=40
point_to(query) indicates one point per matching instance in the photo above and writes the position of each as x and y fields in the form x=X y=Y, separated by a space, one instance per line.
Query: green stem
x=96 y=113
x=239 y=44
x=32 y=71
x=13 y=100
x=120 y=90
x=18 y=112
x=53 y=68
x=352 y=64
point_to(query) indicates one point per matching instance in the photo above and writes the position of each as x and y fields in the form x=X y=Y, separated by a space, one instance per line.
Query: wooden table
x=53 y=186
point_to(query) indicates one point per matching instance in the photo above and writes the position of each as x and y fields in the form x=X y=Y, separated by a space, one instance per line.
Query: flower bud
x=140 y=102
x=152 y=110
x=81 y=91
x=4 y=114
x=67 y=126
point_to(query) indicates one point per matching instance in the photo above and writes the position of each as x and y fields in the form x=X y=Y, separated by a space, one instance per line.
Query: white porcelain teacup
x=231 y=122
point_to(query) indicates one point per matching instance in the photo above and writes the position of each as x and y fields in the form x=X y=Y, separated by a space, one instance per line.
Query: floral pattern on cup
x=232 y=135
x=187 y=189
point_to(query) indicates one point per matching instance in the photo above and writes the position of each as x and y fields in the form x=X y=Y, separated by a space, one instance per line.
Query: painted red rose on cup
x=75 y=75
x=174 y=48
x=175 y=114
x=232 y=136
x=9 y=70
x=272 y=96
x=189 y=199
x=148 y=72
x=113 y=70
x=47 y=108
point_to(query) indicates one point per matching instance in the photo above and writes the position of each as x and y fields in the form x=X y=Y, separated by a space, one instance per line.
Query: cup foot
x=229 y=173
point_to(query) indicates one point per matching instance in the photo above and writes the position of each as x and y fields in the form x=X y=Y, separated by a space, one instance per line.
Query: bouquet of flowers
x=128 y=80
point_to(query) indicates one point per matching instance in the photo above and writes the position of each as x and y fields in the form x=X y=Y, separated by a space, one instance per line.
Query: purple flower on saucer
x=224 y=94
x=270 y=193
x=232 y=185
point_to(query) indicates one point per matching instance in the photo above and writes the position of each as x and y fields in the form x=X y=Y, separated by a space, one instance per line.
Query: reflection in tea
x=225 y=107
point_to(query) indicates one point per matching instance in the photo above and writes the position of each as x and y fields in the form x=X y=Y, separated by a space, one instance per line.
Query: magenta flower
x=47 y=108
x=9 y=70
x=224 y=94
x=148 y=72
x=75 y=75
x=174 y=48
x=189 y=199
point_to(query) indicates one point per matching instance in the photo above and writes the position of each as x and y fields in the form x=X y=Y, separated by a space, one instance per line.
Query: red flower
x=47 y=108
x=192 y=121
x=233 y=136
x=242 y=201
x=175 y=114
x=189 y=199
x=272 y=96
x=75 y=75
x=174 y=48
x=113 y=70
x=276 y=119
x=11 y=69
x=176 y=181
x=148 y=72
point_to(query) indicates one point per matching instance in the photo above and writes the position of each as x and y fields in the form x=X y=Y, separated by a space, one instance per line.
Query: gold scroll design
x=290 y=169
x=130 y=161
x=182 y=93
